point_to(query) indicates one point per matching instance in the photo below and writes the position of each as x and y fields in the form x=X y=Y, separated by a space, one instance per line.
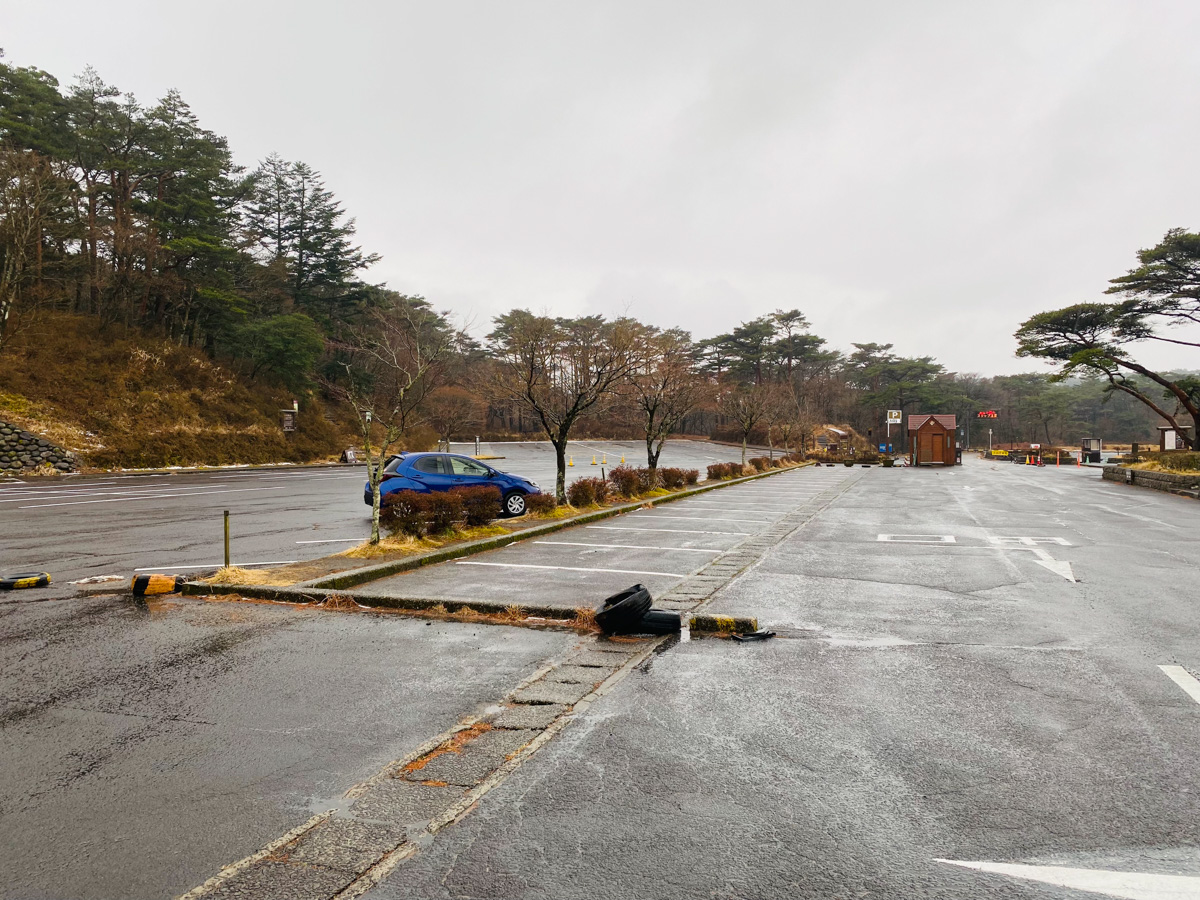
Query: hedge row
x=719 y=471
x=416 y=514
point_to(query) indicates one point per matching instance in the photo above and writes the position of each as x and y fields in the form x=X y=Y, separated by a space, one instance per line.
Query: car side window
x=462 y=466
x=429 y=464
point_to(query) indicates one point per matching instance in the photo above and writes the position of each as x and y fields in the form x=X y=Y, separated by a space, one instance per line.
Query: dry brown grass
x=389 y=545
x=585 y=619
x=238 y=575
x=339 y=601
x=400 y=543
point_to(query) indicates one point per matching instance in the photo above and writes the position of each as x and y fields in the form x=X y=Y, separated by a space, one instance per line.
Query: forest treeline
x=138 y=218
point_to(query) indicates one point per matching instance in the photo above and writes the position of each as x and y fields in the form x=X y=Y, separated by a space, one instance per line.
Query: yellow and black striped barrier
x=24 y=580
x=144 y=585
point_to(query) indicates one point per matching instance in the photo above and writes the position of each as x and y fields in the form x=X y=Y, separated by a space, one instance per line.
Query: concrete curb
x=707 y=624
x=356 y=577
x=1165 y=482
x=701 y=623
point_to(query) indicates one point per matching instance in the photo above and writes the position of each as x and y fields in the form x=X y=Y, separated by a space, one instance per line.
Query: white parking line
x=1184 y=679
x=568 y=568
x=239 y=565
x=155 y=497
x=624 y=546
x=702 y=518
x=667 y=530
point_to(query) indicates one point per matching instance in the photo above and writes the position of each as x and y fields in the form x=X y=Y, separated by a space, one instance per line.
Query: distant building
x=931 y=440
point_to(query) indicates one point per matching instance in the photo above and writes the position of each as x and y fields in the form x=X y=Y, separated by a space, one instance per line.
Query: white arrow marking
x=1058 y=567
x=1130 y=885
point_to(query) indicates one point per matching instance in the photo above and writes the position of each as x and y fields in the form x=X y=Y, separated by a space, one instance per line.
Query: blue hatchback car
x=426 y=472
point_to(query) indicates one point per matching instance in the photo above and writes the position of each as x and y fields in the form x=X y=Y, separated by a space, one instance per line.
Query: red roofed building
x=931 y=440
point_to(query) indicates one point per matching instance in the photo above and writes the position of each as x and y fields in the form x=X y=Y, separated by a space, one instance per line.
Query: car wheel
x=514 y=504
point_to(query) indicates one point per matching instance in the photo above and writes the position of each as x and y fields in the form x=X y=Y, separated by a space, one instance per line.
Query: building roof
x=916 y=421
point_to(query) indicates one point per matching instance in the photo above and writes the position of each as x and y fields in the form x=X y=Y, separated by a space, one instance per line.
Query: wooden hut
x=931 y=440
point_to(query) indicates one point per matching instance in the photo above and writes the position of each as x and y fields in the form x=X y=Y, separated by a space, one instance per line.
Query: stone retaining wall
x=21 y=451
x=1184 y=485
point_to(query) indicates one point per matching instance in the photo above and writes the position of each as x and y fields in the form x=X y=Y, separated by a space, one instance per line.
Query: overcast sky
x=926 y=174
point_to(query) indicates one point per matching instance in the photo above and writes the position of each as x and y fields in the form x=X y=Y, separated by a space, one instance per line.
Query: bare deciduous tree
x=392 y=362
x=747 y=406
x=558 y=369
x=664 y=388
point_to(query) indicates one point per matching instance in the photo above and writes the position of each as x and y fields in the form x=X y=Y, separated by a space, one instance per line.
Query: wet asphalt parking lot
x=984 y=685
x=945 y=714
x=83 y=526
x=655 y=546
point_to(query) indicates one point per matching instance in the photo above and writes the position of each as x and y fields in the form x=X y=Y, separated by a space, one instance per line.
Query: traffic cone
x=594 y=460
x=622 y=459
x=604 y=462
x=570 y=460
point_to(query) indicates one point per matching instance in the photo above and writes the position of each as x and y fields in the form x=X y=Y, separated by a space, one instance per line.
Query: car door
x=432 y=473
x=467 y=472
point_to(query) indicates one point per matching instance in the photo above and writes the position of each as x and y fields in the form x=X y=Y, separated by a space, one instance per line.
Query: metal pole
x=227 y=539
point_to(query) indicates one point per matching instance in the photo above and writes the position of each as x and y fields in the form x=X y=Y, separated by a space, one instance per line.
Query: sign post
x=893 y=418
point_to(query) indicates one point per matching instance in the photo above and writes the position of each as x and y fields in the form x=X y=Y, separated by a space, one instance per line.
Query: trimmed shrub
x=587 y=491
x=691 y=476
x=626 y=480
x=480 y=504
x=403 y=512
x=672 y=479
x=760 y=463
x=442 y=510
x=541 y=503
x=719 y=471
x=644 y=482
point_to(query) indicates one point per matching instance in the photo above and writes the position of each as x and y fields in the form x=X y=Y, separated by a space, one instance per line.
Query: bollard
x=227 y=539
x=1057 y=457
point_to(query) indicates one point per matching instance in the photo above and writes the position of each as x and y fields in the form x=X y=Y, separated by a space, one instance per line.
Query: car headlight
x=535 y=484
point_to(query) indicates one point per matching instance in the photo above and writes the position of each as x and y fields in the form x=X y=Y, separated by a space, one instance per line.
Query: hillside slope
x=124 y=400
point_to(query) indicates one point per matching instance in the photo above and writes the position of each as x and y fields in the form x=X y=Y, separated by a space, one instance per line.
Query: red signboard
x=987 y=414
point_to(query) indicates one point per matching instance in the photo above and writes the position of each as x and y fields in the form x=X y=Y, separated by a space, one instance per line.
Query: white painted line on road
x=917 y=538
x=780 y=508
x=667 y=530
x=1184 y=679
x=1130 y=885
x=624 y=546
x=1117 y=512
x=1029 y=541
x=237 y=565
x=568 y=568
x=334 y=541
x=699 y=518
x=155 y=497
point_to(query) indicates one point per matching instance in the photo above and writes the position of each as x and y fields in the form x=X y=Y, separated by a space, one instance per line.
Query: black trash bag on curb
x=630 y=612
